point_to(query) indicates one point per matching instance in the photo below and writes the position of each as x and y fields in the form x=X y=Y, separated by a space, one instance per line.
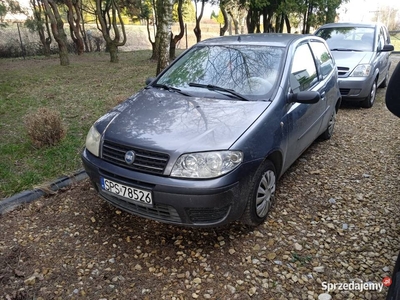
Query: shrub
x=45 y=127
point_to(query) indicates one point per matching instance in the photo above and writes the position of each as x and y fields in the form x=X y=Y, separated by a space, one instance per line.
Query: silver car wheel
x=373 y=93
x=331 y=124
x=265 y=193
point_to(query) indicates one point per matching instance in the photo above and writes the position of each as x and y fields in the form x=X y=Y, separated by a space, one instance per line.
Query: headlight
x=93 y=141
x=206 y=164
x=361 y=71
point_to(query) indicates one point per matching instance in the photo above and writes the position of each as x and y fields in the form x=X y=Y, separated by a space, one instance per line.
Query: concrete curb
x=13 y=202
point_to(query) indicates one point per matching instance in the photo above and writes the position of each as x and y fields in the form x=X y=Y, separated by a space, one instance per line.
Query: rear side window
x=383 y=38
x=303 y=73
x=323 y=58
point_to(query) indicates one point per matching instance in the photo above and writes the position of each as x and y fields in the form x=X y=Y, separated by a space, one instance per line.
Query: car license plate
x=137 y=195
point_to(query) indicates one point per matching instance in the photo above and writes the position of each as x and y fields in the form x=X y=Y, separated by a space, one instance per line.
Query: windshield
x=247 y=70
x=348 y=38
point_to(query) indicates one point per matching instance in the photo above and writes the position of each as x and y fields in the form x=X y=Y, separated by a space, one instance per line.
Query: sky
x=365 y=10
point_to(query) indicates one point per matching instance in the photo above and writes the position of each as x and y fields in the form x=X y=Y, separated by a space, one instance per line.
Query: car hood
x=350 y=59
x=170 y=122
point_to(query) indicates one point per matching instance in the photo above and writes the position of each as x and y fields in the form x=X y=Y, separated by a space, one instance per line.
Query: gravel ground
x=335 y=221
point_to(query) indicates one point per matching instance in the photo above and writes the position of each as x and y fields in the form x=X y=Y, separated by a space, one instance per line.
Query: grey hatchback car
x=361 y=52
x=205 y=142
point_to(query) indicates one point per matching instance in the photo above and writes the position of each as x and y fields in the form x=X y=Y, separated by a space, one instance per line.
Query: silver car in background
x=361 y=52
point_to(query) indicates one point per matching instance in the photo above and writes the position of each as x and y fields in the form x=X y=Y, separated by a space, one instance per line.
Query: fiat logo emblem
x=130 y=157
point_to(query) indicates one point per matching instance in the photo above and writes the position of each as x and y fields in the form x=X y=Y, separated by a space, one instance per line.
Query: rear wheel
x=369 y=101
x=327 y=134
x=261 y=194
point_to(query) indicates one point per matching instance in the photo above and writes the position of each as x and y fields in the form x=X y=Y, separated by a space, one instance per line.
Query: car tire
x=327 y=134
x=385 y=82
x=369 y=101
x=261 y=195
x=394 y=289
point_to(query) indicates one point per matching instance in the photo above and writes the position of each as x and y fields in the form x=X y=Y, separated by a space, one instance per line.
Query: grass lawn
x=81 y=92
x=395 y=40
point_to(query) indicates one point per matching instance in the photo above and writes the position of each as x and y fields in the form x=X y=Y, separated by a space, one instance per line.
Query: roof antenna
x=239 y=39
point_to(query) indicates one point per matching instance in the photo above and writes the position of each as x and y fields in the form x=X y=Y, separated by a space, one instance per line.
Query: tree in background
x=222 y=18
x=3 y=12
x=278 y=13
x=199 y=16
x=176 y=38
x=74 y=20
x=387 y=15
x=57 y=28
x=164 y=18
x=108 y=18
x=40 y=24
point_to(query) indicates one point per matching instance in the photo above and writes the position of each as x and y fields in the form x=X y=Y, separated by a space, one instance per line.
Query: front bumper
x=355 y=88
x=197 y=203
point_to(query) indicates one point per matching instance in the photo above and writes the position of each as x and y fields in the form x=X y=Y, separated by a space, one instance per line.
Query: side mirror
x=149 y=80
x=305 y=97
x=387 y=48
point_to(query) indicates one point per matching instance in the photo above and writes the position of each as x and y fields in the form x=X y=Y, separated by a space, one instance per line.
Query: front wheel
x=369 y=101
x=261 y=194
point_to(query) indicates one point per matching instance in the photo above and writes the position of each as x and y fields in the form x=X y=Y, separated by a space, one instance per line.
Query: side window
x=323 y=58
x=303 y=73
x=381 y=39
x=386 y=35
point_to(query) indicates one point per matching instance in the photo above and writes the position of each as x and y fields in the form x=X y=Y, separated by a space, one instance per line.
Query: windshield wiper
x=170 y=88
x=345 y=49
x=219 y=89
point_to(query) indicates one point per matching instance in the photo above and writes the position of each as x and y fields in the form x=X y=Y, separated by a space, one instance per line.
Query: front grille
x=145 y=161
x=201 y=215
x=342 y=71
x=157 y=212
x=344 y=92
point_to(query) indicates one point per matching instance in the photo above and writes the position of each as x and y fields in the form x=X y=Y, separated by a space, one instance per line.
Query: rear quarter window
x=323 y=58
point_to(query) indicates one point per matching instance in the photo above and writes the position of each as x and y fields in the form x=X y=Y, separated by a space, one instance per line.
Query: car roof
x=349 y=24
x=270 y=39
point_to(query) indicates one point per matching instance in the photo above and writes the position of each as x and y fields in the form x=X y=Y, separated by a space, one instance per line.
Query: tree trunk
x=57 y=28
x=235 y=22
x=288 y=26
x=175 y=39
x=38 y=16
x=309 y=18
x=281 y=23
x=224 y=28
x=154 y=49
x=251 y=20
x=197 y=29
x=109 y=16
x=113 y=49
x=74 y=19
x=164 y=10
